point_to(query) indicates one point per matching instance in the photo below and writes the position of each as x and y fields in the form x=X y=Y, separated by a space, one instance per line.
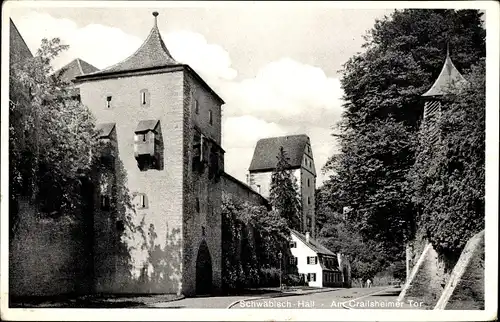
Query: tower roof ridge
x=152 y=53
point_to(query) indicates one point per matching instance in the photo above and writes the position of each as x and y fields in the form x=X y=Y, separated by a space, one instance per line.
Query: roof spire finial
x=155 y=14
x=448 y=48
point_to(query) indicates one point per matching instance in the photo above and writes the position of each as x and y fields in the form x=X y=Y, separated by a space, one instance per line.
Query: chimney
x=307 y=237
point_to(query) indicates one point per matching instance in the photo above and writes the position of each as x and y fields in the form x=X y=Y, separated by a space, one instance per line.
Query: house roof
x=105 y=129
x=146 y=125
x=76 y=67
x=449 y=77
x=244 y=186
x=18 y=48
x=266 y=151
x=153 y=53
x=313 y=244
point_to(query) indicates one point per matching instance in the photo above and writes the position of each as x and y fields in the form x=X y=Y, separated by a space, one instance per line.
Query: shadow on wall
x=47 y=256
x=128 y=257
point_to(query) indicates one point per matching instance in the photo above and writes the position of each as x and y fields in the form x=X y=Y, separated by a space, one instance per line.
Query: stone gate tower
x=164 y=123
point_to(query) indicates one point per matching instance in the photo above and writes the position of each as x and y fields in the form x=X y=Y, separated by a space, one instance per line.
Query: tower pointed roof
x=152 y=53
x=75 y=68
x=152 y=57
x=449 y=77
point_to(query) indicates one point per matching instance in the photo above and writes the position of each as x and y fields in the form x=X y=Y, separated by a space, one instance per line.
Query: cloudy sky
x=277 y=67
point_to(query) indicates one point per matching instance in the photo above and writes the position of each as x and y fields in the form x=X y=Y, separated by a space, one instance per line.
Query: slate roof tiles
x=153 y=53
x=266 y=151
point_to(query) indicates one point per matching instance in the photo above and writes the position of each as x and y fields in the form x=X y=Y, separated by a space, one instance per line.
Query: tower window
x=210 y=117
x=144 y=95
x=142 y=201
x=308 y=200
x=197 y=205
x=108 y=102
x=196 y=107
x=308 y=182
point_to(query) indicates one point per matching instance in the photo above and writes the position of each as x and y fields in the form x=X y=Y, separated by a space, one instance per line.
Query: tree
x=284 y=192
x=252 y=237
x=365 y=257
x=449 y=176
x=403 y=55
x=51 y=137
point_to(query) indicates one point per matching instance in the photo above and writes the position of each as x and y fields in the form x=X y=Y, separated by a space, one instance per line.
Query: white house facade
x=317 y=266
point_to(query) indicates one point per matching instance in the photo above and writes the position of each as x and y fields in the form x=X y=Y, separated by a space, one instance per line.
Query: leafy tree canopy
x=51 y=135
x=404 y=54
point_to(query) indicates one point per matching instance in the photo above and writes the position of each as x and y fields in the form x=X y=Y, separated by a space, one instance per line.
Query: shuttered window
x=312 y=260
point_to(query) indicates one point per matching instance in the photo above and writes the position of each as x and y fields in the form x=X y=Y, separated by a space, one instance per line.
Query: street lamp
x=279 y=256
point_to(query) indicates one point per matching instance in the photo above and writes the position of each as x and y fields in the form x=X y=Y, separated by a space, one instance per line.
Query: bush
x=292 y=280
x=269 y=276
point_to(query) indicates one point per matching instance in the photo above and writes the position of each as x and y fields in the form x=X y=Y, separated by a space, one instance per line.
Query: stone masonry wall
x=202 y=225
x=47 y=256
x=157 y=267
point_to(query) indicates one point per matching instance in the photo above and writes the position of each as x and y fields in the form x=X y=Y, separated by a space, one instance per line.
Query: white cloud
x=211 y=61
x=287 y=92
x=103 y=46
x=240 y=135
x=99 y=45
x=285 y=96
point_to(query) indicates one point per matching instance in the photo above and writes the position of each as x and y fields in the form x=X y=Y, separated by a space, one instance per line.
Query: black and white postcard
x=249 y=160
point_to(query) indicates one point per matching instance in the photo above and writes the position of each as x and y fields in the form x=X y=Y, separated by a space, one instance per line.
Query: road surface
x=353 y=298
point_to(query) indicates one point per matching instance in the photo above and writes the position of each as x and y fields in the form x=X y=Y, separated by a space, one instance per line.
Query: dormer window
x=108 y=101
x=210 y=117
x=107 y=139
x=144 y=97
x=148 y=145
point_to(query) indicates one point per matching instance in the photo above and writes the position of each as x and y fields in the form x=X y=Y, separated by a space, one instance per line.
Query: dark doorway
x=203 y=270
